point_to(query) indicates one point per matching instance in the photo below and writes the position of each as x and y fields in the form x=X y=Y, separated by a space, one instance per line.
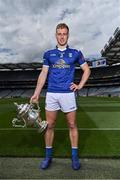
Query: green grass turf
x=93 y=112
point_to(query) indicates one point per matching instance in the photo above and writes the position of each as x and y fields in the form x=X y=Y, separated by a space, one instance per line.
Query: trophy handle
x=38 y=107
x=43 y=124
x=16 y=120
x=38 y=110
x=37 y=104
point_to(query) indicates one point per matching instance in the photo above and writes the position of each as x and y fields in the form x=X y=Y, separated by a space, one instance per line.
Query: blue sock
x=74 y=152
x=49 y=151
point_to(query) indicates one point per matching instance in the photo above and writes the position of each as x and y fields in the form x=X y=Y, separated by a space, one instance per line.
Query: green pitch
x=98 y=120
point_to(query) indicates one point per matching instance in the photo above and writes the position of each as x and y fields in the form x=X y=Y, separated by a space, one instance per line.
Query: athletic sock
x=49 y=151
x=75 y=152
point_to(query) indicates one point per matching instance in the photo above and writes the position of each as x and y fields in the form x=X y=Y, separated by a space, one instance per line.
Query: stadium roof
x=111 y=50
x=21 y=66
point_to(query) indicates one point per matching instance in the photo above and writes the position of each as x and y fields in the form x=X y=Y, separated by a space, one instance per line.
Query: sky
x=27 y=27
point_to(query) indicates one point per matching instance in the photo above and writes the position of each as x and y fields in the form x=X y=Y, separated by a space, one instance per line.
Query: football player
x=59 y=67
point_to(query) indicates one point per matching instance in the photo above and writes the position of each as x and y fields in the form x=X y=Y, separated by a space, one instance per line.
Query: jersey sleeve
x=81 y=59
x=46 y=59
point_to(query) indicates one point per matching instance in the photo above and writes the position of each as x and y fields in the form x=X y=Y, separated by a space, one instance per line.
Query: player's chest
x=62 y=57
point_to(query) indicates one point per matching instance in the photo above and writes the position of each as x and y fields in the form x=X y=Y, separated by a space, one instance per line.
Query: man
x=59 y=66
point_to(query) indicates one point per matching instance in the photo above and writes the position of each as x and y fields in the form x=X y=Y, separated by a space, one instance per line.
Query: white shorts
x=65 y=102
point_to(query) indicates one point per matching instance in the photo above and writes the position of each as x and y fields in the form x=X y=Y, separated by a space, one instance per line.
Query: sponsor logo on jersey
x=61 y=64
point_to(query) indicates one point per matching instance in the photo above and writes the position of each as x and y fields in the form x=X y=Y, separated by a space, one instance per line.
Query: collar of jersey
x=62 y=49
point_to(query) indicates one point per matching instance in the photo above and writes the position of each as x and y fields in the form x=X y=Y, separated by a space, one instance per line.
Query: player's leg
x=73 y=133
x=51 y=115
x=49 y=135
x=68 y=106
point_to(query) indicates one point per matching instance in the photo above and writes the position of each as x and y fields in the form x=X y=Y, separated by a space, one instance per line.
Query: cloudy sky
x=27 y=27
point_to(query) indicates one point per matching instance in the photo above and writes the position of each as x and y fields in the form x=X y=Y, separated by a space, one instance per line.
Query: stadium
x=98 y=108
x=104 y=79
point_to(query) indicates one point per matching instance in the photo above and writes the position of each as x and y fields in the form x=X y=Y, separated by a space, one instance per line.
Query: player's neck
x=62 y=48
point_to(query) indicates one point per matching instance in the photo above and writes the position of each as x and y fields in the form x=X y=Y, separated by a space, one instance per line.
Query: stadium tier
x=16 y=83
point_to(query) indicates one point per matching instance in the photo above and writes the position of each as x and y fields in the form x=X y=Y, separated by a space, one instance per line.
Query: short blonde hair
x=62 y=26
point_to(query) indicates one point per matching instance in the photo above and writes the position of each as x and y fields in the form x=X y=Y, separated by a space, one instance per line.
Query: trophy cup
x=28 y=115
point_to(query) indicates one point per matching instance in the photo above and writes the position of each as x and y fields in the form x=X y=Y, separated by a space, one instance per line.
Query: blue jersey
x=61 y=68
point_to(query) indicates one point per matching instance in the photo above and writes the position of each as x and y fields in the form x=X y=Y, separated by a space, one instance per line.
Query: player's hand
x=34 y=99
x=75 y=87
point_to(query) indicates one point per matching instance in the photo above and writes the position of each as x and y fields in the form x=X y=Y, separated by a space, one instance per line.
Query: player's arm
x=85 y=76
x=40 y=83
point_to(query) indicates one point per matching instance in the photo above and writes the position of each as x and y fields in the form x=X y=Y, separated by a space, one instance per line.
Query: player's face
x=62 y=36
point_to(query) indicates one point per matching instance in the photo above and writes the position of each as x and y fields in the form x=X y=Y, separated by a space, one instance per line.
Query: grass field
x=98 y=121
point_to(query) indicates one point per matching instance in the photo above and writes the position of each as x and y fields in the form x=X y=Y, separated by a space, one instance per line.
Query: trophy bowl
x=28 y=115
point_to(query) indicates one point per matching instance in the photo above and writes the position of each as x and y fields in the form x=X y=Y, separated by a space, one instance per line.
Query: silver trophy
x=28 y=115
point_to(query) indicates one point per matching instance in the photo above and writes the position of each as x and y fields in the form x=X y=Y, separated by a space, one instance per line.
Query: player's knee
x=72 y=125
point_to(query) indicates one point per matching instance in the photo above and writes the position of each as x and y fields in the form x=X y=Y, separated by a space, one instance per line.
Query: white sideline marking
x=61 y=129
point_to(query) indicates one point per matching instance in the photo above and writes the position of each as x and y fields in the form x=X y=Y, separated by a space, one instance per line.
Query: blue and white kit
x=61 y=65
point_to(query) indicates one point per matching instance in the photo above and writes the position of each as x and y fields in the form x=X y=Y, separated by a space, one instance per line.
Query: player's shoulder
x=75 y=51
x=50 y=51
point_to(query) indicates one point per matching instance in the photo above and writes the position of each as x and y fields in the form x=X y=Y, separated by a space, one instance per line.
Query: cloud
x=27 y=27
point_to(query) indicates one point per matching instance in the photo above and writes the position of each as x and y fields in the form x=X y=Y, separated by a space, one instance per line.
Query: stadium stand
x=111 y=49
x=4 y=93
x=103 y=81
